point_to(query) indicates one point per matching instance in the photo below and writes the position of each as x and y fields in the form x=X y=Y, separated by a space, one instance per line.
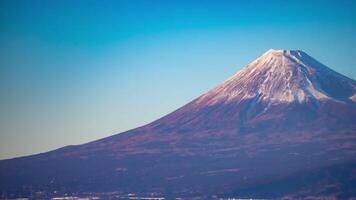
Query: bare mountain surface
x=285 y=125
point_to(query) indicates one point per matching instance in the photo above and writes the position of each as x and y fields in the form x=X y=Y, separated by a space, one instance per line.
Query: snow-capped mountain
x=279 y=86
x=283 y=76
x=283 y=122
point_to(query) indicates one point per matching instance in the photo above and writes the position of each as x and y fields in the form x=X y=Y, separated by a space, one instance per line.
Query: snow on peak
x=272 y=54
x=282 y=76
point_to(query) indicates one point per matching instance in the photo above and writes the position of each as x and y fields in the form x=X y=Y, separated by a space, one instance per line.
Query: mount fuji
x=283 y=126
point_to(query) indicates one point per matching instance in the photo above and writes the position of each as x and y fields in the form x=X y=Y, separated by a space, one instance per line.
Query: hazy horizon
x=73 y=72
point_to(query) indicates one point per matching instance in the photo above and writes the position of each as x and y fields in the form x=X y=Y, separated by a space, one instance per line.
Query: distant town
x=109 y=195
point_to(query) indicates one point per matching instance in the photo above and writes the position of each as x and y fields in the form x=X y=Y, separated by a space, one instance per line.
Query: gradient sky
x=76 y=71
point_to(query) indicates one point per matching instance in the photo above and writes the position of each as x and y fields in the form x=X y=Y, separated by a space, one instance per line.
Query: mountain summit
x=282 y=123
x=283 y=76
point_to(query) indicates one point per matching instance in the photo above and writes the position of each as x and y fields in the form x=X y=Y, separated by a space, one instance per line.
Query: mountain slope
x=283 y=117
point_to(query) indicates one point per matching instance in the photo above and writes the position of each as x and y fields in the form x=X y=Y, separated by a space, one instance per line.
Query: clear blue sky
x=76 y=71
